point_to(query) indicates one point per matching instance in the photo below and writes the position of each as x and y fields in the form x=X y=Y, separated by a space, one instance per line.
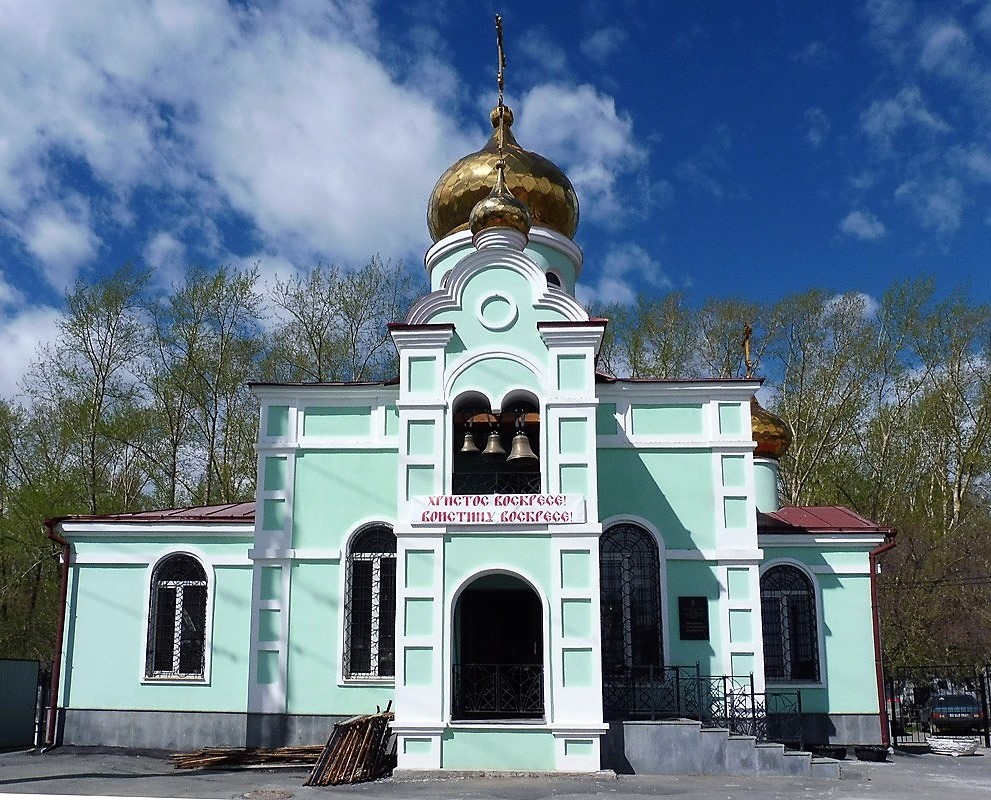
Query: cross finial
x=500 y=80
x=747 y=363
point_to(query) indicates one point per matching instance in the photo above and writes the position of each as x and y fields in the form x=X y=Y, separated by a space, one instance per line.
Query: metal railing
x=498 y=691
x=496 y=482
x=724 y=701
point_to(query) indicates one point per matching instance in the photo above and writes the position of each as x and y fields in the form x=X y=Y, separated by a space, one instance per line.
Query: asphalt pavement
x=114 y=773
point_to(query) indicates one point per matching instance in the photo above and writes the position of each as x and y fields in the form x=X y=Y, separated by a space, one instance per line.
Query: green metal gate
x=19 y=682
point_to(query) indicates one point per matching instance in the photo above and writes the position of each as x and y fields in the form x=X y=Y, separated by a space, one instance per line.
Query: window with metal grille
x=791 y=640
x=629 y=579
x=370 y=605
x=177 y=619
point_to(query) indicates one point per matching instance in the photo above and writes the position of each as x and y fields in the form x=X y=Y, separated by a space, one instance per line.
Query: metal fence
x=724 y=701
x=912 y=692
x=498 y=691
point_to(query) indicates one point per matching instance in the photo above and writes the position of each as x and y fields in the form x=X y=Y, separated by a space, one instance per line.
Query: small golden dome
x=772 y=434
x=532 y=179
x=500 y=209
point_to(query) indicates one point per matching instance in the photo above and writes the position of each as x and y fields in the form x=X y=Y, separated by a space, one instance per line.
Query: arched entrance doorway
x=498 y=665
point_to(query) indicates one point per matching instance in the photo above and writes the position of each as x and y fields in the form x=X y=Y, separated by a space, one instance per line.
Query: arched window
x=791 y=640
x=629 y=575
x=177 y=619
x=370 y=605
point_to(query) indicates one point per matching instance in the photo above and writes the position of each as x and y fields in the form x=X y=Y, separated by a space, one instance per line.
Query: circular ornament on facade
x=497 y=312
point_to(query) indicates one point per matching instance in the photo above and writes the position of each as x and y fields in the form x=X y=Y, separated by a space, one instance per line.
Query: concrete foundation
x=191 y=730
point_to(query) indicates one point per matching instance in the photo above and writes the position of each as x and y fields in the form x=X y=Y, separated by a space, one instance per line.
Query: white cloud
x=600 y=45
x=946 y=48
x=938 y=203
x=283 y=112
x=580 y=129
x=887 y=118
x=544 y=56
x=624 y=271
x=862 y=225
x=813 y=54
x=21 y=334
x=710 y=169
x=818 y=127
x=9 y=296
x=61 y=244
x=162 y=250
x=974 y=160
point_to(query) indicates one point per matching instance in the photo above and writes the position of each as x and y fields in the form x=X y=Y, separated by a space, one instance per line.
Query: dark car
x=952 y=712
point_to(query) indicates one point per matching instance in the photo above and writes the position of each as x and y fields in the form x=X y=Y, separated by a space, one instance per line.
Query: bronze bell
x=469 y=445
x=494 y=446
x=521 y=450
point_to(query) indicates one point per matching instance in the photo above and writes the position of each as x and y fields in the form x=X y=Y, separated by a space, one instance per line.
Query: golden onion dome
x=533 y=180
x=499 y=209
x=772 y=434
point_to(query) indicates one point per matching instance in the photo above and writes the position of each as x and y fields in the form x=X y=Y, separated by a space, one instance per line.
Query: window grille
x=791 y=642
x=177 y=619
x=370 y=605
x=629 y=574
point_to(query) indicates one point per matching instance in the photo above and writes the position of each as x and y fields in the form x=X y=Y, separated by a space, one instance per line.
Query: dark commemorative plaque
x=693 y=618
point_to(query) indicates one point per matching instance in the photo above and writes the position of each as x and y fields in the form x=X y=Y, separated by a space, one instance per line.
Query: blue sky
x=718 y=148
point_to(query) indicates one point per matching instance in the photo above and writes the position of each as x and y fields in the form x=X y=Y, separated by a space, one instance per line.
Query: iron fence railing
x=725 y=701
x=498 y=691
x=496 y=482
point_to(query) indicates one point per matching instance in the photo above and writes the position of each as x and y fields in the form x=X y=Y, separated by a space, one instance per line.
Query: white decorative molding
x=450 y=296
x=462 y=240
x=495 y=321
x=508 y=238
x=820 y=539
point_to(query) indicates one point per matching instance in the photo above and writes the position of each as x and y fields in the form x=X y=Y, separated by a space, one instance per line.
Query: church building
x=540 y=566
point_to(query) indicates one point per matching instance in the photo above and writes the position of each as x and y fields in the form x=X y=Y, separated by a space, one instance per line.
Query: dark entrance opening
x=498 y=670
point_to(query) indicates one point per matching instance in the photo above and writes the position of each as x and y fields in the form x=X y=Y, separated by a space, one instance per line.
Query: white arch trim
x=459 y=367
x=545 y=624
x=662 y=566
x=358 y=528
x=209 y=570
x=450 y=296
x=784 y=561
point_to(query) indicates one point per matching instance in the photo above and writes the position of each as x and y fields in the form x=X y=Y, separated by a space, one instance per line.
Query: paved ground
x=77 y=771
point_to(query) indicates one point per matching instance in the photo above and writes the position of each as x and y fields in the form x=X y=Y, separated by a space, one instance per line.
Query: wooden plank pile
x=240 y=758
x=359 y=749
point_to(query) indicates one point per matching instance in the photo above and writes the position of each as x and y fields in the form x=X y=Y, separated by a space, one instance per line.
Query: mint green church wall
x=846 y=630
x=105 y=643
x=314 y=648
x=338 y=489
x=466 y=554
x=497 y=750
x=503 y=329
x=684 y=508
x=693 y=579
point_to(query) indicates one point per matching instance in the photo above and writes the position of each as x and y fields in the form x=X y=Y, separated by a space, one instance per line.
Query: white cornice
x=583 y=334
x=324 y=393
x=681 y=391
x=819 y=539
x=538 y=235
x=153 y=528
x=425 y=338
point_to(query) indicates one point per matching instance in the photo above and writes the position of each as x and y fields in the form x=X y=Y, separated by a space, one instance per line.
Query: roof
x=228 y=512
x=817 y=519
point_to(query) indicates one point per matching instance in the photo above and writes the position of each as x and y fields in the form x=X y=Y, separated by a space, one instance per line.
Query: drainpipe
x=60 y=633
x=889 y=542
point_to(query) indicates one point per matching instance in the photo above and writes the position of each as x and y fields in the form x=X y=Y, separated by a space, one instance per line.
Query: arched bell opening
x=498 y=663
x=496 y=451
